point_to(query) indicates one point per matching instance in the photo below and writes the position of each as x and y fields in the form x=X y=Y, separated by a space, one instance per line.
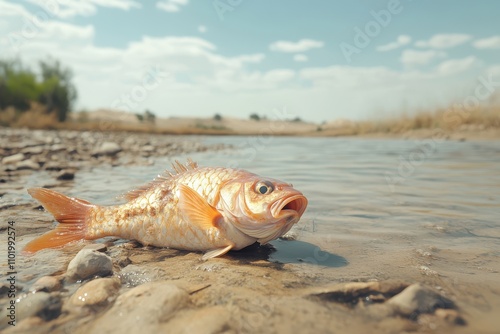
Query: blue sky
x=236 y=57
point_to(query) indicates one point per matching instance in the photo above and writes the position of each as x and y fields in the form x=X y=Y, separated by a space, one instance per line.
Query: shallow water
x=386 y=195
x=378 y=209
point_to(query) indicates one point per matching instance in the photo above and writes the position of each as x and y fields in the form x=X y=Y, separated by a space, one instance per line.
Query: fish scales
x=211 y=209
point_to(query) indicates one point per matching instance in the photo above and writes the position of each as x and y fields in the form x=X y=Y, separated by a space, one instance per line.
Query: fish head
x=262 y=208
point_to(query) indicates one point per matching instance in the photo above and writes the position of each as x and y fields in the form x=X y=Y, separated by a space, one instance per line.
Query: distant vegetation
x=147 y=116
x=255 y=117
x=217 y=117
x=49 y=91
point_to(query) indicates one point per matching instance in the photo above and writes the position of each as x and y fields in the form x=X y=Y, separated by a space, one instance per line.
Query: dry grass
x=451 y=120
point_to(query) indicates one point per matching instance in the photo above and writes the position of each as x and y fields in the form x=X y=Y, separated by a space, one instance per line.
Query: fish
x=204 y=209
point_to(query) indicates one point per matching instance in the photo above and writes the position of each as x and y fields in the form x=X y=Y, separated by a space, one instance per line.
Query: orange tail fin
x=71 y=213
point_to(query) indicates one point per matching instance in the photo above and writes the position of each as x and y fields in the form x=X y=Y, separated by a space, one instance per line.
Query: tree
x=217 y=117
x=57 y=91
x=149 y=116
x=18 y=85
x=255 y=117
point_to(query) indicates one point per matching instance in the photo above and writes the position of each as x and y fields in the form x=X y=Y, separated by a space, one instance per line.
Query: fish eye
x=264 y=187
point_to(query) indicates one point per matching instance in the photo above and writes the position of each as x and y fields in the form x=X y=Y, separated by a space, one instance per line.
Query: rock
x=147 y=148
x=107 y=148
x=27 y=164
x=57 y=148
x=46 y=284
x=65 y=175
x=88 y=263
x=12 y=159
x=98 y=292
x=417 y=299
x=451 y=316
x=142 y=309
x=32 y=150
x=97 y=247
x=40 y=304
x=206 y=320
x=53 y=165
x=354 y=292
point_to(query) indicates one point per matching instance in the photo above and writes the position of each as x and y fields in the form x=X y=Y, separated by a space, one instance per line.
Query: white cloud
x=492 y=42
x=415 y=57
x=203 y=81
x=171 y=6
x=293 y=47
x=202 y=29
x=400 y=41
x=300 y=58
x=67 y=9
x=444 y=41
x=454 y=66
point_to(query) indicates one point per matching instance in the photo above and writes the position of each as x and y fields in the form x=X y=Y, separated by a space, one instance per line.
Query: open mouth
x=294 y=204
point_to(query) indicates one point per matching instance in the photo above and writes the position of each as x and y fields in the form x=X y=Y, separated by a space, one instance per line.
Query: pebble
x=32 y=150
x=65 y=175
x=451 y=316
x=27 y=164
x=107 y=148
x=12 y=159
x=142 y=309
x=417 y=299
x=47 y=284
x=88 y=263
x=98 y=292
x=42 y=304
x=99 y=247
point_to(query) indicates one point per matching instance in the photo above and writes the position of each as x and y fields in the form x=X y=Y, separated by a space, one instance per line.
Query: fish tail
x=70 y=212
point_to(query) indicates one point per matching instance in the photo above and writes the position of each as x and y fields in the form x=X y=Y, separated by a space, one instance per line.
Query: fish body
x=210 y=209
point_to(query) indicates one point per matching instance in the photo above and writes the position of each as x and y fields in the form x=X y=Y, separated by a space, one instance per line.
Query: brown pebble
x=97 y=247
x=451 y=316
x=47 y=284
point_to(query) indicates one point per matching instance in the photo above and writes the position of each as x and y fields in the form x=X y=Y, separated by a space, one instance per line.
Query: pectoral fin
x=216 y=252
x=196 y=209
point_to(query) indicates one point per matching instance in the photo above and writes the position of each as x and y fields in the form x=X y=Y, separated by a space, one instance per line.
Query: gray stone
x=47 y=284
x=417 y=299
x=12 y=159
x=57 y=148
x=142 y=309
x=66 y=175
x=99 y=247
x=148 y=148
x=98 y=292
x=32 y=150
x=107 y=148
x=27 y=164
x=40 y=304
x=88 y=263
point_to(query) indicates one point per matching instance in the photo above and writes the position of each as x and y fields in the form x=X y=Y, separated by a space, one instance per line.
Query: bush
x=217 y=117
x=20 y=86
x=255 y=117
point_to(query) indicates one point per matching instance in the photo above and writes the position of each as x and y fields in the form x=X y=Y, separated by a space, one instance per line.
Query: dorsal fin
x=178 y=169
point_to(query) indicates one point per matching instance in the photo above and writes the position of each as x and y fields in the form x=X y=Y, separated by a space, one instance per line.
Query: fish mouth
x=290 y=206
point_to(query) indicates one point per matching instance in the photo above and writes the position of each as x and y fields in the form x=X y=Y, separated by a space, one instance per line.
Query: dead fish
x=211 y=209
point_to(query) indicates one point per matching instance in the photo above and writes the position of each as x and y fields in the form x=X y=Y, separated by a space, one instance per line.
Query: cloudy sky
x=321 y=60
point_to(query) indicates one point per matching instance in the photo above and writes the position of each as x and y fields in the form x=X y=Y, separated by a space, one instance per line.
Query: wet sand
x=300 y=284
